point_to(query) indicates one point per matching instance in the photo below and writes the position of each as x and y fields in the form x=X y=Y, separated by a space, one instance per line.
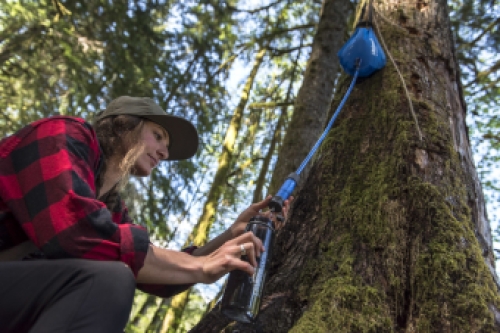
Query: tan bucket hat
x=182 y=133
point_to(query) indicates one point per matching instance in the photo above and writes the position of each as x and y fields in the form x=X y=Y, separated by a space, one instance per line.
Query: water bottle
x=243 y=293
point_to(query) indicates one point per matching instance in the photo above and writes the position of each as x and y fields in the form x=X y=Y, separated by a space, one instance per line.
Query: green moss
x=401 y=254
x=453 y=285
x=346 y=305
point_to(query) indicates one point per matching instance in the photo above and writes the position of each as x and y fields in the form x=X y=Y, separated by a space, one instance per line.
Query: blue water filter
x=276 y=204
x=364 y=48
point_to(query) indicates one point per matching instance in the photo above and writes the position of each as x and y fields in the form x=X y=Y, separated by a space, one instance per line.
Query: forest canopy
x=211 y=62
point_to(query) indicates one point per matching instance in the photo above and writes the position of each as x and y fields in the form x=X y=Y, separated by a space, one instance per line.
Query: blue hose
x=329 y=126
x=290 y=183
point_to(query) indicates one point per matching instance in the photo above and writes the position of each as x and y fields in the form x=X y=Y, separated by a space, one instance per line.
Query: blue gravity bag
x=362 y=45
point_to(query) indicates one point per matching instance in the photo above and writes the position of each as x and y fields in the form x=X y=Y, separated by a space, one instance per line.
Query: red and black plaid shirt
x=47 y=195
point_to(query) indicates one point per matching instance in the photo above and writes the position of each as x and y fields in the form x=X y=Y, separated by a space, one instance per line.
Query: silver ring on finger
x=243 y=250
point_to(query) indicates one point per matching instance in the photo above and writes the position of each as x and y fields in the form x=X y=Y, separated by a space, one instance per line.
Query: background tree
x=476 y=26
x=315 y=94
x=240 y=151
x=199 y=235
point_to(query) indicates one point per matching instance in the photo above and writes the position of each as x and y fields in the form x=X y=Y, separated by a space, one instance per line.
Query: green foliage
x=287 y=28
x=150 y=318
x=192 y=313
x=476 y=26
x=72 y=58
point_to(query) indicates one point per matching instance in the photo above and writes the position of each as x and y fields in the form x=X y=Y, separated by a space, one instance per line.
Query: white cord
x=399 y=73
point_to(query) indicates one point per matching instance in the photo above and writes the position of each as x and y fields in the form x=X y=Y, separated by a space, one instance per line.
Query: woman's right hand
x=228 y=257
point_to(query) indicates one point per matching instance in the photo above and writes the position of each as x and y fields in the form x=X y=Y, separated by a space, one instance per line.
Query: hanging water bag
x=362 y=45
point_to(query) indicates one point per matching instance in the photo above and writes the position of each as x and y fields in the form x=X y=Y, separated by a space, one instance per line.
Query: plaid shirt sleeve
x=47 y=176
x=120 y=215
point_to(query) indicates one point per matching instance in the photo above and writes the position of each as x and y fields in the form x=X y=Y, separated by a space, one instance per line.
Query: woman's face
x=155 y=141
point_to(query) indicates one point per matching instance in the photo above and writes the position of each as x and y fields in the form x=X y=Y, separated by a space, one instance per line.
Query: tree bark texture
x=389 y=232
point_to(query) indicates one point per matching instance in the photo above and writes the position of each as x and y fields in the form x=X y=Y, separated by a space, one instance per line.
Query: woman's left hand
x=242 y=220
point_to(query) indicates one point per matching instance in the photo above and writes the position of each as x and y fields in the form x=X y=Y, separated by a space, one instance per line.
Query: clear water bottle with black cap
x=243 y=293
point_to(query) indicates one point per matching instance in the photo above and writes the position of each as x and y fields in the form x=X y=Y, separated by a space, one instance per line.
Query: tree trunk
x=199 y=235
x=315 y=94
x=389 y=233
x=276 y=138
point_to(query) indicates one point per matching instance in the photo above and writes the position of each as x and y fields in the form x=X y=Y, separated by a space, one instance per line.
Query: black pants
x=70 y=295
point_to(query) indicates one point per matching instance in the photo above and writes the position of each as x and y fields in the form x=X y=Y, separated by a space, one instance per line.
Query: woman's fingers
x=230 y=256
x=249 y=237
x=256 y=208
x=248 y=245
x=248 y=250
x=242 y=265
x=281 y=217
x=286 y=206
x=253 y=210
x=261 y=204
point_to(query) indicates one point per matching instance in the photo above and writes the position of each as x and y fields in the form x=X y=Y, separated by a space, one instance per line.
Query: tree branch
x=253 y=11
x=274 y=34
x=242 y=167
x=226 y=63
x=277 y=52
x=269 y=105
x=482 y=74
x=481 y=35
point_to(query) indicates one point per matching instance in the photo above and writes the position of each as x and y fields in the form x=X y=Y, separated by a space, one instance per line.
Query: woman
x=70 y=256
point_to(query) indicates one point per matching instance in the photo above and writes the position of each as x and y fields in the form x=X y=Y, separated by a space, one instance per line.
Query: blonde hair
x=119 y=137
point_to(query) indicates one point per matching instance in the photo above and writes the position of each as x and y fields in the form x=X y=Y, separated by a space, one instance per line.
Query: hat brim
x=182 y=134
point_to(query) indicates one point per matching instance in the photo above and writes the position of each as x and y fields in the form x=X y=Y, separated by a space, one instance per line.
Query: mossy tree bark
x=389 y=233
